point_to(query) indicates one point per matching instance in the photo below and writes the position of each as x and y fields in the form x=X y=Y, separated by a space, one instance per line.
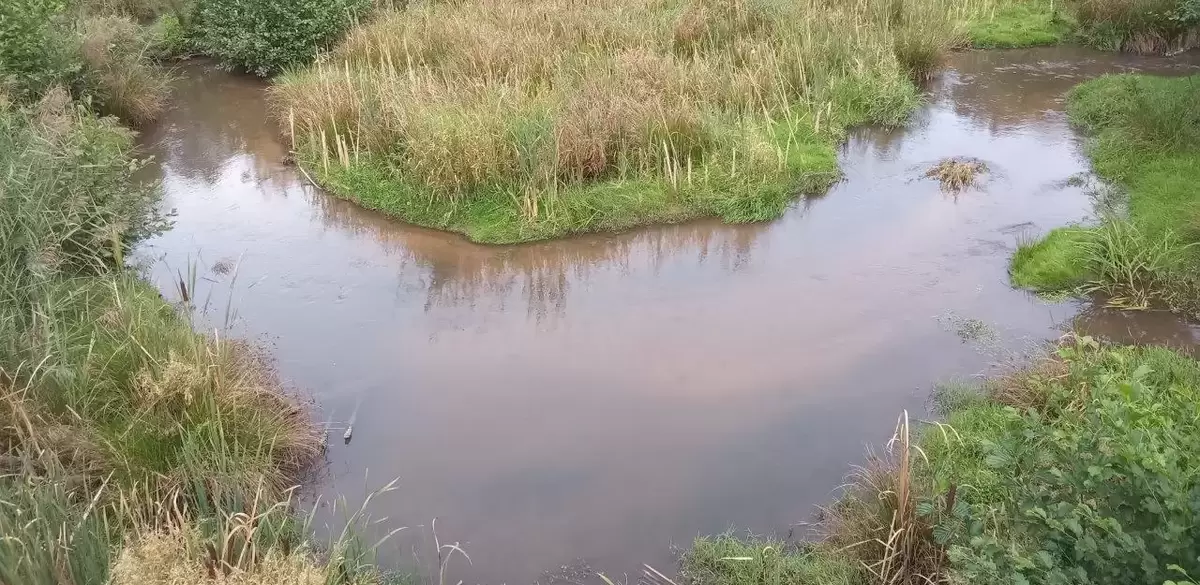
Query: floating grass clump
x=957 y=174
x=1021 y=23
x=471 y=117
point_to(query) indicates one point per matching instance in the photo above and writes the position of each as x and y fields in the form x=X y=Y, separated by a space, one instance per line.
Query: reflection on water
x=1138 y=327
x=605 y=396
x=453 y=273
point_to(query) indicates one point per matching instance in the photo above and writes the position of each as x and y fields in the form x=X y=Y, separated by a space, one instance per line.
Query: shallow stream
x=596 y=400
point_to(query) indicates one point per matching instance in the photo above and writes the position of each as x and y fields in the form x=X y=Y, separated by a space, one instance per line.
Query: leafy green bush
x=1098 y=484
x=37 y=47
x=168 y=38
x=267 y=36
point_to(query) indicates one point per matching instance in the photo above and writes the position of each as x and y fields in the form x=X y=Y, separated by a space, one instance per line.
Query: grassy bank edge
x=133 y=449
x=1029 y=23
x=974 y=480
x=609 y=206
x=1143 y=139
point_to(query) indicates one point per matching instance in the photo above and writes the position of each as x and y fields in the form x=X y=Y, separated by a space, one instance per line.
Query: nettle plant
x=1103 y=482
x=37 y=48
x=266 y=37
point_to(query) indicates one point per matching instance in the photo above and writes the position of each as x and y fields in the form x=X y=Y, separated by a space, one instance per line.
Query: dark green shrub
x=1102 y=482
x=267 y=36
x=37 y=47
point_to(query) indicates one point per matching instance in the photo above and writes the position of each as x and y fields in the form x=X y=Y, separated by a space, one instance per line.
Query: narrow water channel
x=604 y=397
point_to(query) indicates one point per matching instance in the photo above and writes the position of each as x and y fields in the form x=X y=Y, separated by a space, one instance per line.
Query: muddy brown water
x=597 y=399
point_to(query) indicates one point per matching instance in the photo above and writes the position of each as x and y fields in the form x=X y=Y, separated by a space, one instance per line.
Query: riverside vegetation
x=1078 y=469
x=464 y=117
x=1145 y=140
x=132 y=449
x=136 y=451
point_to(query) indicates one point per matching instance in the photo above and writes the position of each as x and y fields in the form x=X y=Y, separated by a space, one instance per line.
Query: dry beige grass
x=119 y=70
x=957 y=174
x=464 y=99
x=877 y=521
x=174 y=557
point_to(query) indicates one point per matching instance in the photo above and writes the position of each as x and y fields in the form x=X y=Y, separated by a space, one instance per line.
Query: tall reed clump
x=469 y=116
x=107 y=61
x=1145 y=140
x=119 y=71
x=883 y=530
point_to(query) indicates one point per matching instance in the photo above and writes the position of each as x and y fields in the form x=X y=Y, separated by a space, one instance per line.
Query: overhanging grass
x=1018 y=24
x=1145 y=140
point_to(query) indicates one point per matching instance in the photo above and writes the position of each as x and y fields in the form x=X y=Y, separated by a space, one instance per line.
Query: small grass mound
x=957 y=174
x=1021 y=24
x=1057 y=263
x=119 y=71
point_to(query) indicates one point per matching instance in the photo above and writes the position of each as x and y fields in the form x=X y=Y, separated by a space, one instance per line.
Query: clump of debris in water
x=957 y=173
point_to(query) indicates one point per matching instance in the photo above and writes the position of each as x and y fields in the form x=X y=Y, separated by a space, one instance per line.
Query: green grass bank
x=634 y=112
x=1144 y=140
x=638 y=112
x=133 y=450
x=1079 y=469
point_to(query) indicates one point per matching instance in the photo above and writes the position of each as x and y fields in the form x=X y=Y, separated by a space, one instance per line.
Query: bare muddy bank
x=603 y=397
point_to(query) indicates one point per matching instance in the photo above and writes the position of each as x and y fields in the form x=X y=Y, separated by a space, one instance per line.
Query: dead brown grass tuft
x=877 y=520
x=120 y=72
x=174 y=557
x=957 y=174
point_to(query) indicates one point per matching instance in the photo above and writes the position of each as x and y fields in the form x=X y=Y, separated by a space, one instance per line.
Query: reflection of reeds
x=459 y=273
